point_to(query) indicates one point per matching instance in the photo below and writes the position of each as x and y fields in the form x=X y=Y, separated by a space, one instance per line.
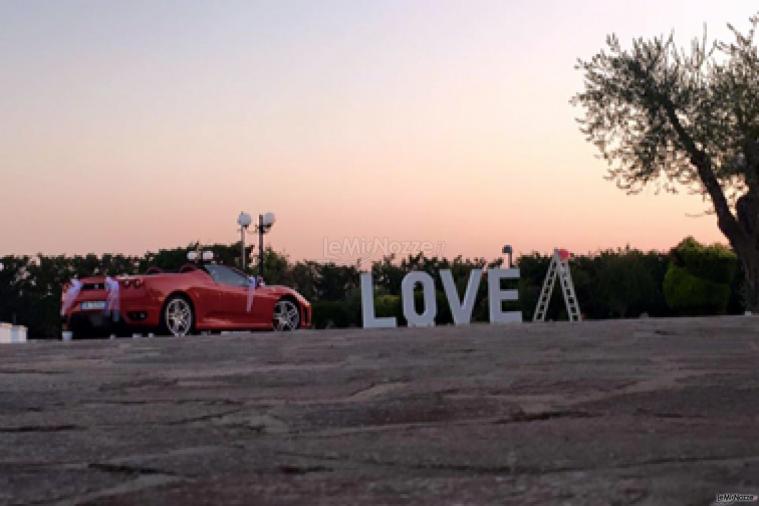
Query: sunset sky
x=137 y=125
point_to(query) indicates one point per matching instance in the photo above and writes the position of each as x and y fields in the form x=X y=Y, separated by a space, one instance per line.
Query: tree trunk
x=747 y=208
x=750 y=263
x=740 y=228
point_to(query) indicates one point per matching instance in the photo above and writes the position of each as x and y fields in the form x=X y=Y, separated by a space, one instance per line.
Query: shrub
x=331 y=313
x=716 y=263
x=700 y=278
x=388 y=305
x=626 y=283
x=692 y=295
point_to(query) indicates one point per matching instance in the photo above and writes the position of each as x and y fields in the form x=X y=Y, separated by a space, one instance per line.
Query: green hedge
x=691 y=295
x=388 y=305
x=714 y=262
x=699 y=278
x=626 y=283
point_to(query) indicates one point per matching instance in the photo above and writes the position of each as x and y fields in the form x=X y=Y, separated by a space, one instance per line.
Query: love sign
x=461 y=308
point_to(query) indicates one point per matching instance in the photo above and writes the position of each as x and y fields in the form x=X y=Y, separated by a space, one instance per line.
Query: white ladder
x=559 y=266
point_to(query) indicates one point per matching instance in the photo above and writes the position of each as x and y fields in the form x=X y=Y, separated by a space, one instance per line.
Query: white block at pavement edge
x=12 y=333
x=6 y=332
x=18 y=334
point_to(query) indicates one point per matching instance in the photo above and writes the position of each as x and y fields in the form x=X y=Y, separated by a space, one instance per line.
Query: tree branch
x=727 y=221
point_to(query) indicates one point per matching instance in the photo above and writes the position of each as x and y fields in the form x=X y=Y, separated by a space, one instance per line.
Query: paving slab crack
x=207 y=417
x=125 y=469
x=292 y=469
x=39 y=428
x=521 y=416
x=515 y=469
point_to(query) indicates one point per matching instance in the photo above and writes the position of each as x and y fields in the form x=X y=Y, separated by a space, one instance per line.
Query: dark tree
x=683 y=118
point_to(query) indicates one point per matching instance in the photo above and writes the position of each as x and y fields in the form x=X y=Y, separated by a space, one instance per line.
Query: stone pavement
x=617 y=412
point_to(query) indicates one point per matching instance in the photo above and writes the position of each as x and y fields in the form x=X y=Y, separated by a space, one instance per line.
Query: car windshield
x=226 y=275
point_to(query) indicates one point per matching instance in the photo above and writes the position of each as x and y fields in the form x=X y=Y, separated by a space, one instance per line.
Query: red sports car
x=207 y=297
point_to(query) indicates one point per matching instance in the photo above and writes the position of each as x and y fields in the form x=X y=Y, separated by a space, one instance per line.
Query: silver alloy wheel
x=286 y=316
x=178 y=317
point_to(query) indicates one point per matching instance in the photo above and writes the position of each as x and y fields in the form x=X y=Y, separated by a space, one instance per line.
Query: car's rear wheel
x=286 y=315
x=178 y=316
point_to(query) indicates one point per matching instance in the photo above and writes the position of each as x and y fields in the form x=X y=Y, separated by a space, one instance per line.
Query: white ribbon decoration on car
x=252 y=282
x=255 y=282
x=112 y=295
x=70 y=296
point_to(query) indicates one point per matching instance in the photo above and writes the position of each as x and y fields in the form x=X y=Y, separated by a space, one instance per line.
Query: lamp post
x=507 y=250
x=244 y=220
x=265 y=222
